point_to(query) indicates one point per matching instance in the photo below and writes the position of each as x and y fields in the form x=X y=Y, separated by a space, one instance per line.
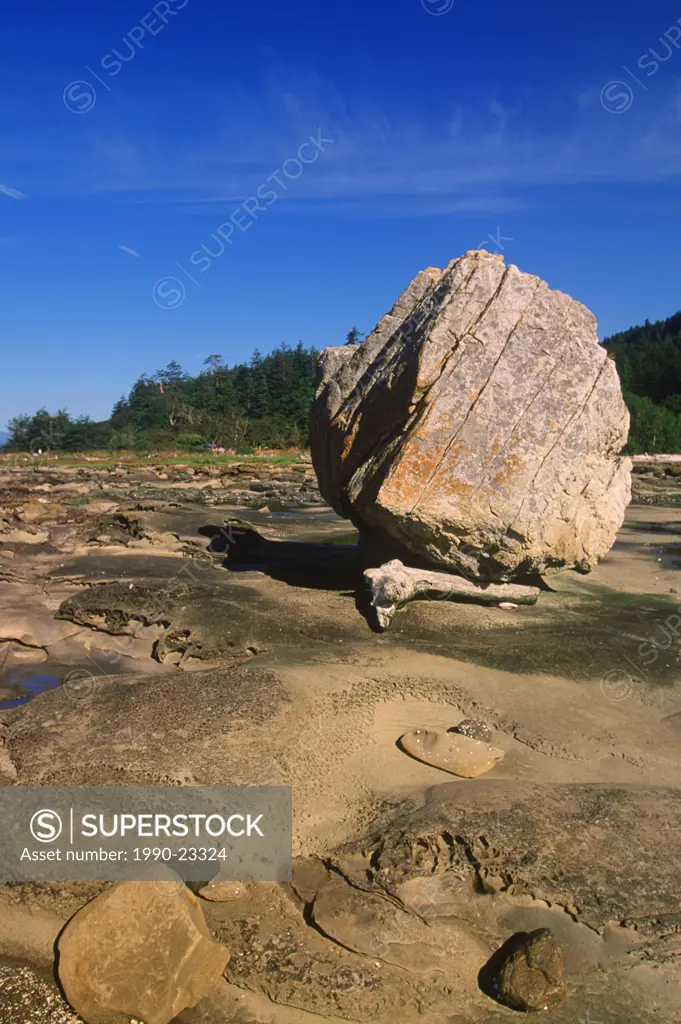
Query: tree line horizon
x=265 y=402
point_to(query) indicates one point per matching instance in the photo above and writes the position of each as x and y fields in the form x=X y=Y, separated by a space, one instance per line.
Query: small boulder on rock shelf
x=223 y=892
x=475 y=729
x=528 y=972
x=139 y=950
x=451 y=751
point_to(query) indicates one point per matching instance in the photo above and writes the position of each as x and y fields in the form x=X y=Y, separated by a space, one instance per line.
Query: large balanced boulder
x=477 y=428
x=140 y=949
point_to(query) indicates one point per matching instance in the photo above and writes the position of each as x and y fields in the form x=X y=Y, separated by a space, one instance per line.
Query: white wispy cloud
x=130 y=252
x=482 y=157
x=13 y=193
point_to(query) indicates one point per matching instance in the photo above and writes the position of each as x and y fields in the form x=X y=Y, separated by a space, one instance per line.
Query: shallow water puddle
x=20 y=685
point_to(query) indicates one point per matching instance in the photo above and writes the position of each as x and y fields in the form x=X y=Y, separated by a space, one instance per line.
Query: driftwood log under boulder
x=394 y=585
x=477 y=428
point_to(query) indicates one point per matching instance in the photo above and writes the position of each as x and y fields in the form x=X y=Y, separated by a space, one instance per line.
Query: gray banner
x=115 y=833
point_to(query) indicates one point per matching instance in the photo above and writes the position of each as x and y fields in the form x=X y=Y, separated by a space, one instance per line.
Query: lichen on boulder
x=478 y=427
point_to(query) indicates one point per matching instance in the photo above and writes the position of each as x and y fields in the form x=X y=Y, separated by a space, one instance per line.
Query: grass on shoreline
x=106 y=460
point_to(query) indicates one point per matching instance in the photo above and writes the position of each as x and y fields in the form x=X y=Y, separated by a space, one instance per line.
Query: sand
x=582 y=693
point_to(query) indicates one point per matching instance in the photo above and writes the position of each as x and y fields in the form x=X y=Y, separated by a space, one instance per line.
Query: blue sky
x=440 y=126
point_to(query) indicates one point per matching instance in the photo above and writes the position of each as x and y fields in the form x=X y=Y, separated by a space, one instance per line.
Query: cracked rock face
x=139 y=949
x=478 y=427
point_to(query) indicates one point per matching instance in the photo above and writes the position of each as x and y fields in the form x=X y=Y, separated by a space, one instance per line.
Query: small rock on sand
x=529 y=973
x=473 y=728
x=451 y=751
x=223 y=892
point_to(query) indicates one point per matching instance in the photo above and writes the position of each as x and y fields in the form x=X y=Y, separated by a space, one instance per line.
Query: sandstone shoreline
x=405 y=879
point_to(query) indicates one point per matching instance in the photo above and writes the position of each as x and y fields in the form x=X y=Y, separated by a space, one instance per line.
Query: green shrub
x=192 y=442
x=654 y=428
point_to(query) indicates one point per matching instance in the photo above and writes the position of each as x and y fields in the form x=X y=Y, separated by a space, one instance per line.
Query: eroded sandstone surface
x=191 y=644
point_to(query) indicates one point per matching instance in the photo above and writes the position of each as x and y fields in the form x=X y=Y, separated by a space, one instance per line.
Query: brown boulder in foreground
x=140 y=949
x=530 y=974
x=478 y=427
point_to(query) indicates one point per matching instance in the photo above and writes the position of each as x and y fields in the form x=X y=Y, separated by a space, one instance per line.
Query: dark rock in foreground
x=528 y=971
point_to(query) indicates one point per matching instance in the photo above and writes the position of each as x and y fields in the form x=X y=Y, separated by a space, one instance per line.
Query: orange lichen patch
x=408 y=479
x=350 y=439
x=428 y=375
x=450 y=487
x=340 y=420
x=456 y=450
x=511 y=466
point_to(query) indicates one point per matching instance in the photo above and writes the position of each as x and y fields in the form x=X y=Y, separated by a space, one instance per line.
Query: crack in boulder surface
x=478 y=428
